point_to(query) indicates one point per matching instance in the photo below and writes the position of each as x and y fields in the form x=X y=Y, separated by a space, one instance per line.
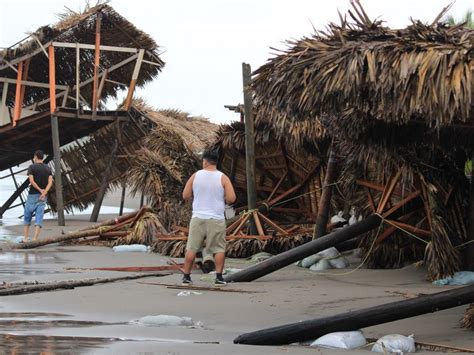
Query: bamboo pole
x=469 y=252
x=354 y=320
x=95 y=86
x=18 y=103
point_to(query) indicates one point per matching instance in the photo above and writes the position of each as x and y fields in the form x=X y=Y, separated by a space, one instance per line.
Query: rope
x=362 y=262
x=402 y=229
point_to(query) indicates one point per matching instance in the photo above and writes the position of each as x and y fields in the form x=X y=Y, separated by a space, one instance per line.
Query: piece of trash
x=341 y=340
x=395 y=343
x=338 y=218
x=188 y=293
x=131 y=248
x=164 y=320
x=459 y=278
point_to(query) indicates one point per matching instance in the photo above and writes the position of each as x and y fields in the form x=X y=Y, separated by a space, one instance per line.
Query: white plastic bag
x=459 y=278
x=341 y=340
x=395 y=343
x=321 y=265
x=339 y=263
x=131 y=248
x=163 y=320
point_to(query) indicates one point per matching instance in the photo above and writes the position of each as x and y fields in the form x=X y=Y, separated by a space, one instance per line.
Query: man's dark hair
x=39 y=154
x=212 y=156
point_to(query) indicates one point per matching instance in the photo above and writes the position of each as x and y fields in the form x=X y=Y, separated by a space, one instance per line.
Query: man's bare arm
x=48 y=187
x=188 y=188
x=34 y=184
x=229 y=193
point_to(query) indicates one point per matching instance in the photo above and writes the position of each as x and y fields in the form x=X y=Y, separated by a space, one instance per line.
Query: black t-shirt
x=41 y=173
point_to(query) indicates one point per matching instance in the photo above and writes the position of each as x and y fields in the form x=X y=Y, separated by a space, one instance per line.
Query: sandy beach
x=97 y=319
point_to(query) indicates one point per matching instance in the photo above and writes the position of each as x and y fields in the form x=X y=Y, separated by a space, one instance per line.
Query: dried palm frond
x=144 y=230
x=468 y=320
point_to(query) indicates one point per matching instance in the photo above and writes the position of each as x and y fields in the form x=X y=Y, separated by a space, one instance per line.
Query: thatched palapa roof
x=75 y=27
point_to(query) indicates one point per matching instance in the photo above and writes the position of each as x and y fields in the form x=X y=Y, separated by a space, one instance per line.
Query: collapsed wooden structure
x=54 y=83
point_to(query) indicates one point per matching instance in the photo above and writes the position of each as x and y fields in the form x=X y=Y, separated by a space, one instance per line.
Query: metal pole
x=249 y=145
x=57 y=170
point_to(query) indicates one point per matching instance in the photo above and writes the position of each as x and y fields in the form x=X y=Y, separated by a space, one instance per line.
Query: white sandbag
x=459 y=278
x=260 y=257
x=164 y=320
x=341 y=340
x=395 y=343
x=131 y=248
x=339 y=263
x=321 y=265
x=310 y=260
x=328 y=253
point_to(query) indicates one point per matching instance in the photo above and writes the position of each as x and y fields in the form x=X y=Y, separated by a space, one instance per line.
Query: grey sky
x=205 y=42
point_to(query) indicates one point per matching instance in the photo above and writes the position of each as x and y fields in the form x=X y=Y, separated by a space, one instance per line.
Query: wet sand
x=95 y=319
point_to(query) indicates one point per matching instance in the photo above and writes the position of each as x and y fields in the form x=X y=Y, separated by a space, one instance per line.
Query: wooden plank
x=388 y=192
x=26 y=67
x=258 y=224
x=376 y=187
x=52 y=81
x=401 y=203
x=371 y=199
x=93 y=47
x=277 y=186
x=57 y=161
x=17 y=109
x=95 y=86
x=32 y=84
x=241 y=224
x=272 y=224
x=78 y=78
x=133 y=82
x=410 y=228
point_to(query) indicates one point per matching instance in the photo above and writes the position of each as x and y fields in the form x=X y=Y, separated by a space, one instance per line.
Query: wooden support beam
x=258 y=224
x=57 y=165
x=93 y=47
x=325 y=201
x=249 y=144
x=78 y=77
x=243 y=220
x=104 y=184
x=277 y=186
x=392 y=182
x=31 y=83
x=122 y=199
x=272 y=224
x=52 y=80
x=26 y=67
x=95 y=86
x=18 y=104
x=401 y=203
x=410 y=228
x=469 y=251
x=16 y=186
x=133 y=82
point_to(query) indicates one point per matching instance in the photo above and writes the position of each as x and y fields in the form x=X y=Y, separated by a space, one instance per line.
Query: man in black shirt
x=41 y=181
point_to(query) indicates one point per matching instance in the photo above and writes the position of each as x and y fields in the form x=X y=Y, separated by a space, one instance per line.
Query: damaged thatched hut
x=399 y=103
x=153 y=154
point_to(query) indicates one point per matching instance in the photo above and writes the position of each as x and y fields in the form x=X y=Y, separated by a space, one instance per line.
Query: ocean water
x=14 y=216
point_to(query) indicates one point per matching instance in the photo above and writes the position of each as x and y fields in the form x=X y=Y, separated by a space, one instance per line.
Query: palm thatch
x=422 y=72
x=79 y=27
x=468 y=319
x=153 y=155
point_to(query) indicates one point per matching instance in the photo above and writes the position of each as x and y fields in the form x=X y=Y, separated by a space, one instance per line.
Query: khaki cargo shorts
x=213 y=230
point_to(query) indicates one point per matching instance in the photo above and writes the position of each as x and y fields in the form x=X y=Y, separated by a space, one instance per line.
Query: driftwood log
x=70 y=284
x=354 y=320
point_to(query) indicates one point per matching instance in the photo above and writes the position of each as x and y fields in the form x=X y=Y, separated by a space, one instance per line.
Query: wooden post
x=355 y=320
x=18 y=103
x=78 y=78
x=469 y=252
x=133 y=82
x=17 y=186
x=122 y=199
x=249 y=145
x=55 y=138
x=105 y=182
x=96 y=64
x=325 y=201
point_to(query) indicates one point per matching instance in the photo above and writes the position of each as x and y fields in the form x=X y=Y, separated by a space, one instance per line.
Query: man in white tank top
x=210 y=190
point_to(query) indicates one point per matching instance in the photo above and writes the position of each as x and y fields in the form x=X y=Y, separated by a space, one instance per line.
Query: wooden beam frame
x=95 y=87
x=133 y=82
x=31 y=83
x=17 y=109
x=52 y=80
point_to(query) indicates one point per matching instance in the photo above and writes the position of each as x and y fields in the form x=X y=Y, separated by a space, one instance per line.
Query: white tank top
x=208 y=195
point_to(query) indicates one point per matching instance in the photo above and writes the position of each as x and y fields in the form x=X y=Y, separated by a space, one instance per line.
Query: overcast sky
x=205 y=42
